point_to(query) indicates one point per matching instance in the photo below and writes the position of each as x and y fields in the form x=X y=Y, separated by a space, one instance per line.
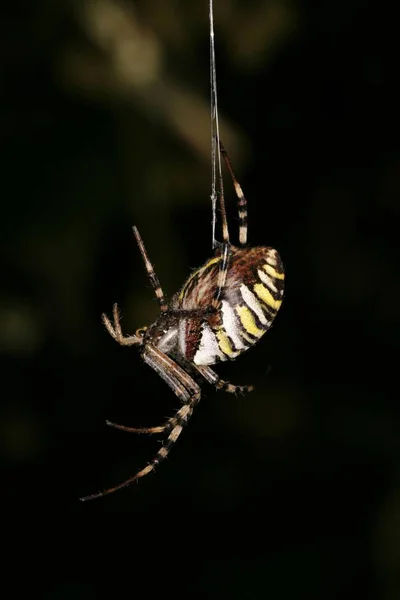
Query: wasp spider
x=222 y=309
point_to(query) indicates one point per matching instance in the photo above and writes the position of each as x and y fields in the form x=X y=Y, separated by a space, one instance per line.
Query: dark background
x=293 y=489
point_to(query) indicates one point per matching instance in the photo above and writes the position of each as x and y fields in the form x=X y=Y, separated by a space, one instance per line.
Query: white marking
x=168 y=340
x=271 y=258
x=267 y=280
x=231 y=326
x=182 y=336
x=253 y=303
x=208 y=349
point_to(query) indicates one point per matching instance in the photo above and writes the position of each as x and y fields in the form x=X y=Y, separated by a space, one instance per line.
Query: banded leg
x=187 y=390
x=179 y=385
x=210 y=376
x=242 y=202
x=116 y=332
x=155 y=282
x=182 y=416
x=224 y=220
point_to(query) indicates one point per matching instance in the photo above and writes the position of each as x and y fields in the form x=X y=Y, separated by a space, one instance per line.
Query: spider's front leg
x=157 y=429
x=167 y=426
x=116 y=332
x=186 y=389
x=183 y=386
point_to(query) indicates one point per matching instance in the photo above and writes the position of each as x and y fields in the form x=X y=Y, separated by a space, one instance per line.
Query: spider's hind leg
x=164 y=428
x=210 y=376
x=180 y=418
x=186 y=389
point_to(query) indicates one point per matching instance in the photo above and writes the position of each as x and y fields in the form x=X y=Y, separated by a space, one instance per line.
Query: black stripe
x=268 y=310
x=234 y=347
x=246 y=333
x=257 y=320
x=278 y=283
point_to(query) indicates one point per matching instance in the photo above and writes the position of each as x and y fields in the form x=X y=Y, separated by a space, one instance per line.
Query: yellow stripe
x=265 y=295
x=271 y=271
x=224 y=344
x=248 y=321
x=212 y=261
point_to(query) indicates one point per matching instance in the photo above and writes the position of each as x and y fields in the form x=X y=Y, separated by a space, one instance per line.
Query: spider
x=222 y=309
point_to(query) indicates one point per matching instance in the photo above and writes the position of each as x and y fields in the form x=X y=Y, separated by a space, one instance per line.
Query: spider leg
x=157 y=429
x=210 y=376
x=242 y=208
x=167 y=426
x=186 y=389
x=177 y=384
x=224 y=221
x=155 y=282
x=242 y=202
x=116 y=332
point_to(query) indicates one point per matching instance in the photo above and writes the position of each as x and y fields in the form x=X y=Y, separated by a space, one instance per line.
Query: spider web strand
x=215 y=143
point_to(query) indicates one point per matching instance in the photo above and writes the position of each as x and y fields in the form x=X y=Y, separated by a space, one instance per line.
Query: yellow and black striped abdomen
x=249 y=302
x=252 y=297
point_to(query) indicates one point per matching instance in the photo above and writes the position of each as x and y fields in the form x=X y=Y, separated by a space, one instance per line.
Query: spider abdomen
x=248 y=304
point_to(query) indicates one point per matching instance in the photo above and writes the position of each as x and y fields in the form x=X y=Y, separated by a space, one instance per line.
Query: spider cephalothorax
x=222 y=309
